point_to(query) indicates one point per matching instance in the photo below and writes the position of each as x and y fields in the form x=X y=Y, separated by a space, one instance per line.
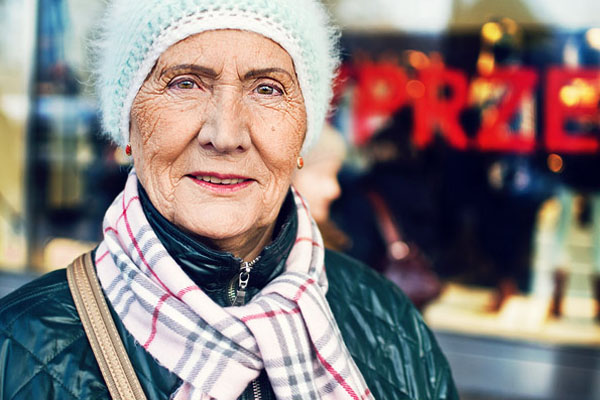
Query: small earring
x=128 y=149
x=300 y=162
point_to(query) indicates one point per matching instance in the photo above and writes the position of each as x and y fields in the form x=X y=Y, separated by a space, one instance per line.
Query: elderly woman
x=211 y=266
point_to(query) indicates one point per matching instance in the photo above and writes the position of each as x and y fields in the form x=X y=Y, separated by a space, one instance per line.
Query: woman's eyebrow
x=206 y=71
x=256 y=73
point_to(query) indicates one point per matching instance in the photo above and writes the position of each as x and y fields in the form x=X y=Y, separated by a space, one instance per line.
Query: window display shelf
x=468 y=310
x=519 y=352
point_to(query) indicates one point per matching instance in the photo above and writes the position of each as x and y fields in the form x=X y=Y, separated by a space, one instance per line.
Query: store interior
x=471 y=171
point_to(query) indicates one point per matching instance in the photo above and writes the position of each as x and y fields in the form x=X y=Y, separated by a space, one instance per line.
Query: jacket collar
x=213 y=270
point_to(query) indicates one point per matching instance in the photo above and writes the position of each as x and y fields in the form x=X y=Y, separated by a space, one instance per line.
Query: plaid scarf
x=287 y=328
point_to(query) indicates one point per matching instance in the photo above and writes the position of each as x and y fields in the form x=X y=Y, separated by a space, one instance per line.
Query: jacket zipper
x=237 y=297
x=256 y=390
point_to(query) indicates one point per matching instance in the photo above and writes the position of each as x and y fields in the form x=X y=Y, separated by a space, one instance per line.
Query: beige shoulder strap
x=100 y=329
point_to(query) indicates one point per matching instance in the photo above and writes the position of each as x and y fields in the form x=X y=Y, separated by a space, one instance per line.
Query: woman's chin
x=224 y=219
x=217 y=226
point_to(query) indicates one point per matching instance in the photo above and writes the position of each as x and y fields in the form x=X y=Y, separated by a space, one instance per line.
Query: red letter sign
x=433 y=109
x=495 y=133
x=566 y=102
x=380 y=92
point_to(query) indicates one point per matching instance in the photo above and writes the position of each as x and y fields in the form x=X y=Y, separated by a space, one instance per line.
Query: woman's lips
x=220 y=182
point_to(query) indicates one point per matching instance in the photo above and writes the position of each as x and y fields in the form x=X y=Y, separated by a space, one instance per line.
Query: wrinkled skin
x=221 y=103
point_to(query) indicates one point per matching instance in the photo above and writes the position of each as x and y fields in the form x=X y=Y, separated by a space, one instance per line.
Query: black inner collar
x=212 y=270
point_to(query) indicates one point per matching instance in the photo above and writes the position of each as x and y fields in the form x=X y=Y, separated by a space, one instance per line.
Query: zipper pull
x=244 y=277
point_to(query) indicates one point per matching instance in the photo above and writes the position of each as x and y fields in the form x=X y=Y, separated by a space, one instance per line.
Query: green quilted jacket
x=44 y=353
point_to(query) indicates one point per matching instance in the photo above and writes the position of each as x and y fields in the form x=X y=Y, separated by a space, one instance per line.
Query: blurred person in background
x=211 y=269
x=318 y=183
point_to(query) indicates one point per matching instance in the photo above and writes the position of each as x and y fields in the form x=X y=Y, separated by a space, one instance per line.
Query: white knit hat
x=134 y=33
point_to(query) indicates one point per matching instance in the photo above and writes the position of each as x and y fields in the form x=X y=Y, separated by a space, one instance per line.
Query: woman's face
x=215 y=131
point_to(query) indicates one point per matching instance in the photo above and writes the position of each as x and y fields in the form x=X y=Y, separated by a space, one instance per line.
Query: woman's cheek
x=290 y=128
x=143 y=118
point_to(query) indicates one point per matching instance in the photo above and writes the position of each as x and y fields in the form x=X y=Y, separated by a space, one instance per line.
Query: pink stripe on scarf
x=155 y=319
x=303 y=239
x=125 y=208
x=137 y=246
x=336 y=375
x=301 y=201
x=270 y=314
x=99 y=259
x=156 y=312
x=303 y=289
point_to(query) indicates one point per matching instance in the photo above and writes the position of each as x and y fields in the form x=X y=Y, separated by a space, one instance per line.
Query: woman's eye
x=184 y=84
x=268 y=90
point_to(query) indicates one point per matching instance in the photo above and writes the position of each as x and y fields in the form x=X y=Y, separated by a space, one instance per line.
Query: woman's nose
x=334 y=190
x=227 y=127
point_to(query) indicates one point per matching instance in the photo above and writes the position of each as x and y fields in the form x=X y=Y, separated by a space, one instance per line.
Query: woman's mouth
x=220 y=182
